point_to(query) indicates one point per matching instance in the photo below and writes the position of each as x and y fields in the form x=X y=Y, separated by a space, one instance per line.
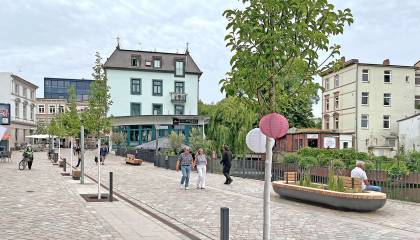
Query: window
x=135 y=86
x=391 y=142
x=327 y=122
x=336 y=101
x=135 y=61
x=179 y=110
x=365 y=75
x=157 y=87
x=135 y=109
x=60 y=109
x=417 y=79
x=25 y=111
x=336 y=81
x=32 y=112
x=16 y=89
x=157 y=63
x=345 y=145
x=51 y=109
x=179 y=87
x=365 y=98
x=327 y=102
x=417 y=102
x=387 y=99
x=157 y=109
x=336 y=121
x=327 y=83
x=365 y=121
x=17 y=109
x=41 y=108
x=386 y=121
x=387 y=76
x=32 y=94
x=24 y=92
x=179 y=68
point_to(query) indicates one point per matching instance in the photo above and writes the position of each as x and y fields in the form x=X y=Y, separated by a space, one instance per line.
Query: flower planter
x=363 y=202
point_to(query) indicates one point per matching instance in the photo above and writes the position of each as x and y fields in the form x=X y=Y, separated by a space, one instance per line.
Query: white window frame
x=32 y=112
x=327 y=83
x=336 y=121
x=367 y=121
x=43 y=108
x=388 y=74
x=365 y=97
x=417 y=79
x=336 y=101
x=327 y=122
x=365 y=74
x=336 y=81
x=389 y=121
x=389 y=100
x=52 y=107
x=327 y=102
x=417 y=101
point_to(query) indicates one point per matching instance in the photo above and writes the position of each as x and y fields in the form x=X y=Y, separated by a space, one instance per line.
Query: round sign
x=255 y=140
x=274 y=125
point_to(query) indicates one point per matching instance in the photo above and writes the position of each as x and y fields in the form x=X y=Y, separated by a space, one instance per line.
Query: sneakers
x=230 y=181
x=187 y=188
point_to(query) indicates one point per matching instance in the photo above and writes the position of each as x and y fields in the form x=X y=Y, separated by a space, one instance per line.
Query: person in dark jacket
x=77 y=151
x=227 y=163
x=103 y=152
x=29 y=155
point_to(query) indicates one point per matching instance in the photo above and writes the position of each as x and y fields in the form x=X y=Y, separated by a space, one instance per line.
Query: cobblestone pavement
x=38 y=204
x=198 y=210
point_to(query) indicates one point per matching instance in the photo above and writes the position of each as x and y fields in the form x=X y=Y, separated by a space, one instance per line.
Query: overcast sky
x=58 y=38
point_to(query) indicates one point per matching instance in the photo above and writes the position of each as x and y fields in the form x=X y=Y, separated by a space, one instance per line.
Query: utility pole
x=82 y=157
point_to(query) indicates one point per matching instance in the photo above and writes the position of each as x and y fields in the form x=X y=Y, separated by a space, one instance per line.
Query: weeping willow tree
x=230 y=121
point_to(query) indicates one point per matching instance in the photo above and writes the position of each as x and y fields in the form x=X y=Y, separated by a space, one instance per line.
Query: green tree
x=276 y=46
x=95 y=117
x=175 y=141
x=72 y=118
x=41 y=128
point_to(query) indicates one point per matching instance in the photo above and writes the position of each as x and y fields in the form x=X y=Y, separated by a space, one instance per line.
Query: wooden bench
x=350 y=183
x=76 y=174
x=131 y=159
x=291 y=177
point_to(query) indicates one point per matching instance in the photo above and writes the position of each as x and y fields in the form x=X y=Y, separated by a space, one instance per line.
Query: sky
x=59 y=38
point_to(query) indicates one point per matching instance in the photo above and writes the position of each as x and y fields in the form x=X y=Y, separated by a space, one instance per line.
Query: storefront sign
x=312 y=136
x=329 y=142
x=4 y=114
x=176 y=121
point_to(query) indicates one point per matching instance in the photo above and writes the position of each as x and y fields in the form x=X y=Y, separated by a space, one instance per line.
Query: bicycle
x=23 y=163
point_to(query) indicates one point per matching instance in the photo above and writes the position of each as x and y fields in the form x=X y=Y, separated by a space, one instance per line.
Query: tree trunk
x=267 y=188
x=71 y=156
x=99 y=168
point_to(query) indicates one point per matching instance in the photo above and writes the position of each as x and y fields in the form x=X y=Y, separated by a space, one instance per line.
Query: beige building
x=363 y=102
x=20 y=94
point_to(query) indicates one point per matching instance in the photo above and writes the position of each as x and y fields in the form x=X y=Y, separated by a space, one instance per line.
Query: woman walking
x=201 y=163
x=184 y=163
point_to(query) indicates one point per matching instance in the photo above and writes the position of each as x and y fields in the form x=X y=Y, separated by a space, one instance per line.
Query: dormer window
x=179 y=68
x=157 y=62
x=135 y=61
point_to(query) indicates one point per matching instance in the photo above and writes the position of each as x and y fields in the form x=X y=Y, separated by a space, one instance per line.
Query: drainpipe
x=356 y=139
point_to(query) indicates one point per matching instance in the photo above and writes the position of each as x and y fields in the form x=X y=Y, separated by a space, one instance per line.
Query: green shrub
x=340 y=184
x=337 y=163
x=307 y=179
x=331 y=180
x=306 y=162
x=413 y=161
x=397 y=170
x=290 y=158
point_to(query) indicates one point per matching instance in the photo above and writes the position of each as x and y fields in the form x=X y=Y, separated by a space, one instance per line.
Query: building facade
x=20 y=94
x=409 y=133
x=57 y=88
x=150 y=88
x=364 y=102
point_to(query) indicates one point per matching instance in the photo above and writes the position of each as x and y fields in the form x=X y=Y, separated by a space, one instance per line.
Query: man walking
x=227 y=161
x=184 y=162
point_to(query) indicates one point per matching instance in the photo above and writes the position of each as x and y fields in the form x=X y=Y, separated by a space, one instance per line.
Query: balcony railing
x=178 y=97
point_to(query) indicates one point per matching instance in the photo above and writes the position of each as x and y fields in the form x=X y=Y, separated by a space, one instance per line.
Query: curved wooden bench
x=369 y=201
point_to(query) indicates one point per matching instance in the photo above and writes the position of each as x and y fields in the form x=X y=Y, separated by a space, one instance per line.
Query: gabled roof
x=17 y=78
x=121 y=59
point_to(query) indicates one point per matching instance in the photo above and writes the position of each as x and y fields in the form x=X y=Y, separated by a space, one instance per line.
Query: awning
x=41 y=136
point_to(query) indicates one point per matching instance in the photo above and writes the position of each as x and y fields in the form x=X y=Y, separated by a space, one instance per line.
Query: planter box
x=363 y=202
x=76 y=174
x=172 y=162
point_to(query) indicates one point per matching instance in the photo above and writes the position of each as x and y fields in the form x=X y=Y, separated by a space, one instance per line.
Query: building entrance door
x=313 y=143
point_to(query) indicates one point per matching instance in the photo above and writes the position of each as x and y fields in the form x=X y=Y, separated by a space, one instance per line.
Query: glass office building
x=57 y=88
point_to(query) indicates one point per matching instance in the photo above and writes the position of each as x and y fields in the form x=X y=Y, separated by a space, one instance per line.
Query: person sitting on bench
x=359 y=172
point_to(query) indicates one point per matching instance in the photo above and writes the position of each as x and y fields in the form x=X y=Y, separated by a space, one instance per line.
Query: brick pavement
x=38 y=204
x=198 y=210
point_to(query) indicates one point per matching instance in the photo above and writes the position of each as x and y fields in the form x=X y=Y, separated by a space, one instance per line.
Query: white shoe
x=187 y=188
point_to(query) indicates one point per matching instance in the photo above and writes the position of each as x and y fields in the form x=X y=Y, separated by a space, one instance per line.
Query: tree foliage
x=196 y=141
x=71 y=117
x=175 y=141
x=95 y=118
x=276 y=46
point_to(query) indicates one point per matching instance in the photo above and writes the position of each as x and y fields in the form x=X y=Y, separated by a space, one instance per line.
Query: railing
x=178 y=97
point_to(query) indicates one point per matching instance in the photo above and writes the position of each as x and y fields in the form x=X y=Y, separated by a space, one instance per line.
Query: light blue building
x=153 y=90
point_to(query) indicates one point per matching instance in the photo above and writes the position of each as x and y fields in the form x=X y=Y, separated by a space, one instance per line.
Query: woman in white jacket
x=201 y=163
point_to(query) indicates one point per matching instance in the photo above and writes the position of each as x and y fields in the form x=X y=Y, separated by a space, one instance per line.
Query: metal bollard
x=224 y=223
x=110 y=197
x=64 y=164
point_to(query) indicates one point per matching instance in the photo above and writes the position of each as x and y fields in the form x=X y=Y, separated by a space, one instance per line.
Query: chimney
x=386 y=62
x=343 y=59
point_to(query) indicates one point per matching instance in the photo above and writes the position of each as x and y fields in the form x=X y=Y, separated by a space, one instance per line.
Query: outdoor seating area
x=6 y=156
x=350 y=197
x=131 y=159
